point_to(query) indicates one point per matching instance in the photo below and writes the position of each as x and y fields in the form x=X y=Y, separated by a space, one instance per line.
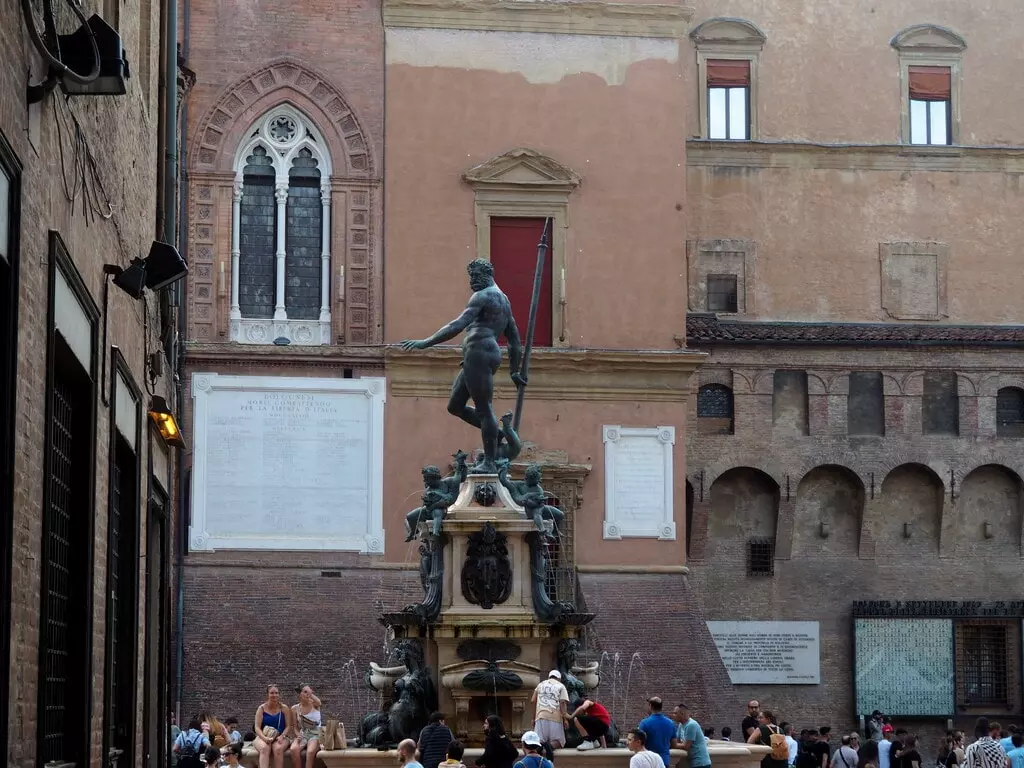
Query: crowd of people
x=277 y=730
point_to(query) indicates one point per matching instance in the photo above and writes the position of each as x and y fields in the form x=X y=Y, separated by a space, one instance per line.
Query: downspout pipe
x=170 y=235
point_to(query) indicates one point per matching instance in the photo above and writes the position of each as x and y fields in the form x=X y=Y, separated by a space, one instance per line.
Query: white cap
x=554 y=673
x=531 y=738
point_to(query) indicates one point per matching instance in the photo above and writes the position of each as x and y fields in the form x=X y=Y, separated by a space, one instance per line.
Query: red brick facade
x=88 y=186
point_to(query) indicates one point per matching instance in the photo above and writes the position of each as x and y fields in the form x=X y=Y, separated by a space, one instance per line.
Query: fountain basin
x=724 y=754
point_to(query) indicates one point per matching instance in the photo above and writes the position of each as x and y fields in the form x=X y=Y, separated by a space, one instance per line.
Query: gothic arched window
x=280 y=247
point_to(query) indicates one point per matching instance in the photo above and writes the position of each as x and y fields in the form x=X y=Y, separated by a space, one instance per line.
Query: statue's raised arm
x=487 y=317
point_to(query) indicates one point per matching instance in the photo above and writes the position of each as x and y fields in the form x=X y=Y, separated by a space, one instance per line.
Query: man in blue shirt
x=690 y=736
x=1016 y=753
x=660 y=730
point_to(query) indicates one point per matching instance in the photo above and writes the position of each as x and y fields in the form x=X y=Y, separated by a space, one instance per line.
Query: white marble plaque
x=638 y=482
x=769 y=652
x=287 y=463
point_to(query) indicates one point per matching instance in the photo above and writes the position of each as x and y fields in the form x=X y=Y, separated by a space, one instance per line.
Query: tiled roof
x=708 y=329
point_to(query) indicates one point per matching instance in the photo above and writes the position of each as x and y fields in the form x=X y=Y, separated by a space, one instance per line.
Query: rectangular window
x=157 y=621
x=940 y=405
x=865 y=406
x=514 y=257
x=930 y=105
x=988 y=665
x=303 y=240
x=789 y=403
x=10 y=203
x=257 y=238
x=722 y=293
x=761 y=556
x=65 y=636
x=728 y=84
x=122 y=600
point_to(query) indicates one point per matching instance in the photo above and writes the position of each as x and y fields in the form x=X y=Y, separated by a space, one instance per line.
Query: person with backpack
x=531 y=749
x=191 y=744
x=769 y=734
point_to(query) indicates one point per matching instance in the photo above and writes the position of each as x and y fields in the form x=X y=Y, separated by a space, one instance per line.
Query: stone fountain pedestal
x=488 y=646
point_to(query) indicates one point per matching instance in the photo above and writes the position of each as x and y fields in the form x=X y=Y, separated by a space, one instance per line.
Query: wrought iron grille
x=714 y=401
x=114 y=565
x=561 y=578
x=984 y=668
x=722 y=295
x=1010 y=412
x=58 y=630
x=761 y=556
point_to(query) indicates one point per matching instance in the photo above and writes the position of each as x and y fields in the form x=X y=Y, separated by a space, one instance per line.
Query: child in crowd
x=453 y=757
x=231 y=724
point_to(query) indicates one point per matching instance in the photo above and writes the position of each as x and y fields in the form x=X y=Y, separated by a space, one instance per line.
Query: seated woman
x=272 y=729
x=306 y=720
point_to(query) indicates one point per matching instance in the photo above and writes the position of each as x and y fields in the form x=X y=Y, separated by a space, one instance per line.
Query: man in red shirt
x=592 y=721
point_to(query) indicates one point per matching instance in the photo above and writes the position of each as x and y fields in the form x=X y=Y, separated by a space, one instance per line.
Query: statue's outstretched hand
x=518 y=379
x=413 y=344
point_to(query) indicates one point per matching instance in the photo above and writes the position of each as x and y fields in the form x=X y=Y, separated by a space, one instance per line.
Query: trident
x=524 y=369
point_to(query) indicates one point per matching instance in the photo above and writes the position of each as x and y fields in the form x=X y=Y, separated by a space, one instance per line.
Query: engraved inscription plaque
x=768 y=652
x=287 y=463
x=638 y=482
x=904 y=667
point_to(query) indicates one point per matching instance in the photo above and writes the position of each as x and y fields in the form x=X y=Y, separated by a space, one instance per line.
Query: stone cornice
x=854 y=157
x=327 y=356
x=582 y=17
x=556 y=374
x=337 y=182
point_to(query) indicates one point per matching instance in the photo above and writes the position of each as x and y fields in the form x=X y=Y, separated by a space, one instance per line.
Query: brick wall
x=904 y=514
x=119 y=139
x=325 y=60
x=289 y=619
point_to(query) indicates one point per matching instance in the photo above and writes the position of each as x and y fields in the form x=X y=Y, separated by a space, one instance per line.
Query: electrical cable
x=62 y=70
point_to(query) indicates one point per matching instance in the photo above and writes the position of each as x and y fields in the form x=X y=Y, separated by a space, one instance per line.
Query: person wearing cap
x=551 y=698
x=874 y=725
x=532 y=757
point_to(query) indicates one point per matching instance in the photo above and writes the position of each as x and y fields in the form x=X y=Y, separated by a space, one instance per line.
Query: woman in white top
x=306 y=721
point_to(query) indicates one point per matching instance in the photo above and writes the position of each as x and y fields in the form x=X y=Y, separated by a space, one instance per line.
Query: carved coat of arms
x=487 y=572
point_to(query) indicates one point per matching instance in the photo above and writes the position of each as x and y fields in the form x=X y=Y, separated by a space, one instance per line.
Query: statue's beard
x=478 y=284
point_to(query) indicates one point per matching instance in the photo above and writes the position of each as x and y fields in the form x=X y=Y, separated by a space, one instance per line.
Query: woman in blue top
x=272 y=728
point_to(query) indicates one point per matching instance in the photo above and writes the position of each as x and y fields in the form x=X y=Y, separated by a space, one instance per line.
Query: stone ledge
x=334 y=355
x=556 y=374
x=853 y=157
x=724 y=754
x=642 y=570
x=583 y=17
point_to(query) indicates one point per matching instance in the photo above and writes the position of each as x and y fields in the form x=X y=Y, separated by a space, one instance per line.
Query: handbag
x=332 y=735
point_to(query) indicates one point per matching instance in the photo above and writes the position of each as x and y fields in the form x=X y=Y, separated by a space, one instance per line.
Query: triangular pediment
x=928 y=37
x=727 y=31
x=525 y=168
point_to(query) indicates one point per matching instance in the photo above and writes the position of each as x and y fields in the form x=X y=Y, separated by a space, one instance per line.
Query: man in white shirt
x=551 y=698
x=642 y=757
x=791 y=742
x=885 y=747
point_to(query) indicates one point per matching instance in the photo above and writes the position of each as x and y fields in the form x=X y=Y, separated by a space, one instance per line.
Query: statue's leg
x=411 y=521
x=479 y=376
x=438 y=516
x=458 y=400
